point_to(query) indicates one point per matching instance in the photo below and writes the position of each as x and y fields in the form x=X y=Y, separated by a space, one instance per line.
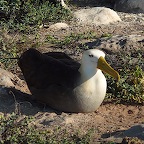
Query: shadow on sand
x=136 y=131
x=16 y=101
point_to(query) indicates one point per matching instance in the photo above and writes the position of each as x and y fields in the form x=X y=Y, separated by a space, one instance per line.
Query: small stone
x=58 y=26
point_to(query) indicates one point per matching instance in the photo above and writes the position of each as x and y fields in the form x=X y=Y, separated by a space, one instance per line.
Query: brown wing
x=42 y=70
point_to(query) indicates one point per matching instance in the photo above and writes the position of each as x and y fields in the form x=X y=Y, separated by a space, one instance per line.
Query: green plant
x=26 y=15
x=18 y=130
x=71 y=39
x=8 y=50
x=106 y=35
x=130 y=88
x=12 y=130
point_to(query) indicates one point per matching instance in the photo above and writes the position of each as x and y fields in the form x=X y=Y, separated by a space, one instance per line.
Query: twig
x=17 y=105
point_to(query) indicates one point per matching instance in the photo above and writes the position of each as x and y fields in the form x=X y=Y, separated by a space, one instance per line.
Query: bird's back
x=40 y=70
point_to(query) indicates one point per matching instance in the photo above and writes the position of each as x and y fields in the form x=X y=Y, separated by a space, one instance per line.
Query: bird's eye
x=90 y=55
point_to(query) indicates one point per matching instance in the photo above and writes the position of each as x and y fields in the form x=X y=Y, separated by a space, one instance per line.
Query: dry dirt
x=111 y=120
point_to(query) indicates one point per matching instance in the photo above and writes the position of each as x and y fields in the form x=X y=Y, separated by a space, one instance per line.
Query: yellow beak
x=104 y=66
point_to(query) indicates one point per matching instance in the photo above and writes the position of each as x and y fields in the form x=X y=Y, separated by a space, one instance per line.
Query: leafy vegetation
x=71 y=39
x=130 y=89
x=106 y=35
x=21 y=15
x=8 y=49
x=18 y=130
x=25 y=17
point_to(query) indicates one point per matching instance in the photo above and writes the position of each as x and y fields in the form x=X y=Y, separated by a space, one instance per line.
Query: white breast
x=91 y=93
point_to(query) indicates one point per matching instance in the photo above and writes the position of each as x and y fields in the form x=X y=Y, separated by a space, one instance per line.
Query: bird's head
x=95 y=58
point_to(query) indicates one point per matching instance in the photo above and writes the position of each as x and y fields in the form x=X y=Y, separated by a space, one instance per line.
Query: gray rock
x=9 y=80
x=118 y=43
x=6 y=78
x=133 y=6
x=96 y=16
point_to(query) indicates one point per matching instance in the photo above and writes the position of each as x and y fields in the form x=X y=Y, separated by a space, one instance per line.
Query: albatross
x=63 y=83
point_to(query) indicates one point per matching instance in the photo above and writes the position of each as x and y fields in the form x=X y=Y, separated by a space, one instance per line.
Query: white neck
x=87 y=71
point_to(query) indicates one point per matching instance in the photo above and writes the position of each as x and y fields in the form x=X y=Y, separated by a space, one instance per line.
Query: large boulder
x=96 y=16
x=133 y=6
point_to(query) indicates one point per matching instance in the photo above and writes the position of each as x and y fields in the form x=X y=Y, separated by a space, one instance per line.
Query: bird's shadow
x=136 y=131
x=13 y=100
